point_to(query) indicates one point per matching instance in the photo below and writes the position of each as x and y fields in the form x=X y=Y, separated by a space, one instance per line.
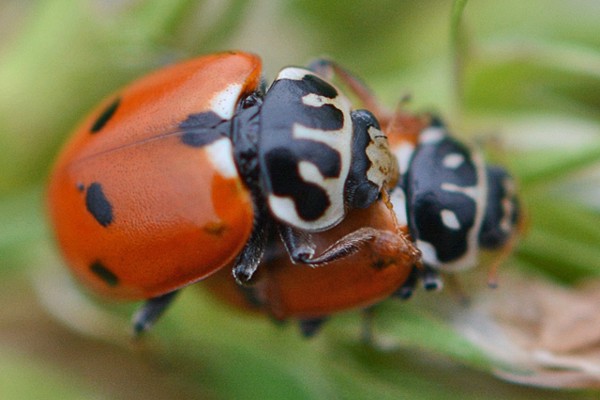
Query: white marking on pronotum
x=450 y=220
x=220 y=154
x=224 y=102
x=453 y=160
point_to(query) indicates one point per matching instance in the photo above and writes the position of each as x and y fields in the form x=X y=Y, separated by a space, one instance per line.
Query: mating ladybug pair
x=196 y=168
x=457 y=206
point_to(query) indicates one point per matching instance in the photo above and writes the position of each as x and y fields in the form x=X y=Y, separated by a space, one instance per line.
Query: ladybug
x=452 y=202
x=192 y=168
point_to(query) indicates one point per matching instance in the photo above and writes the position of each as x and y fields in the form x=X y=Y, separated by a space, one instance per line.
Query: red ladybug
x=189 y=169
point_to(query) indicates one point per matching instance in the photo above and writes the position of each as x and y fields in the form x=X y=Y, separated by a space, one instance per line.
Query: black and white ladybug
x=453 y=203
x=307 y=158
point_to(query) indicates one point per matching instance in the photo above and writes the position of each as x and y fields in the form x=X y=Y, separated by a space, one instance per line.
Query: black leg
x=407 y=289
x=252 y=253
x=297 y=243
x=150 y=312
x=431 y=278
x=245 y=137
x=310 y=327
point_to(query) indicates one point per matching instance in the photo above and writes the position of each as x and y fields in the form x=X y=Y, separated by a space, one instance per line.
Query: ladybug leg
x=298 y=243
x=456 y=289
x=397 y=247
x=310 y=326
x=150 y=312
x=431 y=278
x=330 y=69
x=252 y=253
x=408 y=288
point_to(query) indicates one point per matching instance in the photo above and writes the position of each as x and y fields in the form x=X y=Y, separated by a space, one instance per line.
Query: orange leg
x=397 y=123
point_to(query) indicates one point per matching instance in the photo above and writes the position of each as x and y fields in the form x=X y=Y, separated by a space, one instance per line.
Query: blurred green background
x=522 y=79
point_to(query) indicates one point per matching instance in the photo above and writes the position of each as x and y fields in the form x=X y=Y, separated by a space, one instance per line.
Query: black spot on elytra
x=203 y=129
x=80 y=187
x=104 y=273
x=98 y=205
x=105 y=116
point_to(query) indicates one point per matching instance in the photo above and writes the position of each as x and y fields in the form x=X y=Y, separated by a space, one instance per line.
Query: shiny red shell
x=136 y=212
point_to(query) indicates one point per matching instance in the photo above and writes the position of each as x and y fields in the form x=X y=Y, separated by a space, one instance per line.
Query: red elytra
x=137 y=214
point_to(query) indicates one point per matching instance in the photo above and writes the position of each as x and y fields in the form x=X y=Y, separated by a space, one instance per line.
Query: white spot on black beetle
x=449 y=219
x=453 y=160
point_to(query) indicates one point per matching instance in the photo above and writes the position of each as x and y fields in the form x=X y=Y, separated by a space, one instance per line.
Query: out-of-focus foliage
x=521 y=78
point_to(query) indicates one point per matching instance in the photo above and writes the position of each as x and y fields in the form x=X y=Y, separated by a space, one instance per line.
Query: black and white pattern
x=446 y=192
x=502 y=210
x=305 y=150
